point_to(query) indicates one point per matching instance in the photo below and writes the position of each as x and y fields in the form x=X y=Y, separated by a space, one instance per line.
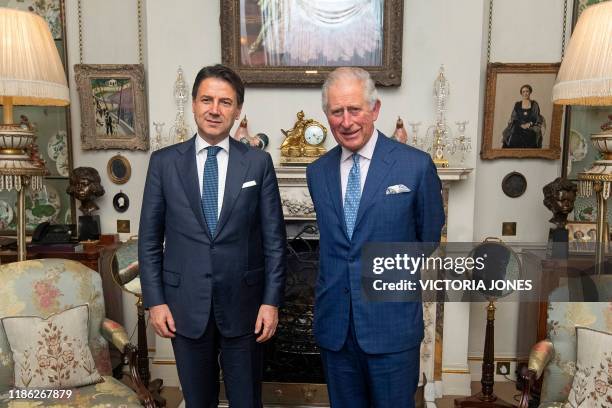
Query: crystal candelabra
x=439 y=134
x=179 y=130
x=438 y=139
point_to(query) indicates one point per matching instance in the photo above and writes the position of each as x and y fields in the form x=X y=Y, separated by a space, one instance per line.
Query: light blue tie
x=210 y=188
x=352 y=196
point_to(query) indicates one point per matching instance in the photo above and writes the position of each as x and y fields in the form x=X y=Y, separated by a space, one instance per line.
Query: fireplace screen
x=292 y=355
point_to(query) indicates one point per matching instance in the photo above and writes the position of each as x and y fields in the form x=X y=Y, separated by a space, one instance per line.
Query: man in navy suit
x=212 y=249
x=370 y=350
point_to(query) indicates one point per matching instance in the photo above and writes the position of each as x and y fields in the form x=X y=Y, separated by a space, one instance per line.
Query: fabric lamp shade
x=585 y=76
x=31 y=71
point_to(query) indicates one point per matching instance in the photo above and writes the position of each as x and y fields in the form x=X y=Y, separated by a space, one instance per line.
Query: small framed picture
x=121 y=202
x=582 y=236
x=119 y=169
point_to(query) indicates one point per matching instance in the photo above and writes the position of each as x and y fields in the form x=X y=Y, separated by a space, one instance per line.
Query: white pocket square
x=397 y=189
x=249 y=184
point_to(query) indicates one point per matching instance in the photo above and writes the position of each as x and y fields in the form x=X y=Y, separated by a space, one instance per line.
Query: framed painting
x=53 y=137
x=520 y=119
x=297 y=42
x=113 y=106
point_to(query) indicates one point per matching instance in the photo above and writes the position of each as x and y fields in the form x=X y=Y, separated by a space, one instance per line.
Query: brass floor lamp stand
x=486 y=398
x=154 y=386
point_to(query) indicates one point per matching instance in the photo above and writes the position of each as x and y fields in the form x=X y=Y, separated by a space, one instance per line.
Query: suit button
x=209 y=275
x=212 y=246
x=346 y=290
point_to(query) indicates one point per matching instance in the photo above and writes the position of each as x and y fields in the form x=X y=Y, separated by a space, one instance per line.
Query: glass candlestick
x=414 y=127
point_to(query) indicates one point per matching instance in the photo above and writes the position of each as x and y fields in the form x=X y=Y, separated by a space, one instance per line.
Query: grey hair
x=355 y=73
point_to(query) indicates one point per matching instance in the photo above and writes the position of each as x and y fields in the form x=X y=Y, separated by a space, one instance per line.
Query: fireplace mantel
x=297 y=205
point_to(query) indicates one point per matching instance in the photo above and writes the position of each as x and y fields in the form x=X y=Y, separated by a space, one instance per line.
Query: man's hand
x=162 y=321
x=267 y=319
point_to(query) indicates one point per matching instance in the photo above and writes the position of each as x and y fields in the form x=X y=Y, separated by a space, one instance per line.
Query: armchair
x=48 y=286
x=553 y=360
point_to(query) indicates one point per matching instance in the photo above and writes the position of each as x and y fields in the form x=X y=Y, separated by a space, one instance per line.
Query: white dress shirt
x=346 y=162
x=222 y=160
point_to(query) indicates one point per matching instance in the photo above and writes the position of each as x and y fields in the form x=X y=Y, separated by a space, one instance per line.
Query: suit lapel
x=236 y=172
x=188 y=174
x=379 y=167
x=333 y=184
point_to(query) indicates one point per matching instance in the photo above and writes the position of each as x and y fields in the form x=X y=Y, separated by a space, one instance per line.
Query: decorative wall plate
x=514 y=184
x=57 y=149
x=42 y=206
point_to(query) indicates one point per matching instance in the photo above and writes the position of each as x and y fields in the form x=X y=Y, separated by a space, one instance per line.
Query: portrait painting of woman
x=520 y=120
x=526 y=124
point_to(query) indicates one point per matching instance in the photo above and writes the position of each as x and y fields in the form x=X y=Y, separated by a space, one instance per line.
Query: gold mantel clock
x=303 y=143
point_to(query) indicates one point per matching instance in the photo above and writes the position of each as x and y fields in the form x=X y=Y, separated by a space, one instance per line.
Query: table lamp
x=31 y=73
x=585 y=78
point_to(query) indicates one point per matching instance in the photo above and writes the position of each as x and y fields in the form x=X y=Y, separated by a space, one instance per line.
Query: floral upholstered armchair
x=567 y=381
x=42 y=290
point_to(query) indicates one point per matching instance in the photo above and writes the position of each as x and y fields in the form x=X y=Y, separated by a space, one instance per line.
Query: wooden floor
x=504 y=390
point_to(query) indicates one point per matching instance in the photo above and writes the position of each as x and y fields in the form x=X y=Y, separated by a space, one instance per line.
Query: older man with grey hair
x=370 y=350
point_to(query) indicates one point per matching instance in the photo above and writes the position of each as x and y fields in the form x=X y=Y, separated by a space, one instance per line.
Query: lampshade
x=31 y=71
x=585 y=76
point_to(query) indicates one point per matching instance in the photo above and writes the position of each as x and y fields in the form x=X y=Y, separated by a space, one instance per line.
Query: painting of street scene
x=113 y=100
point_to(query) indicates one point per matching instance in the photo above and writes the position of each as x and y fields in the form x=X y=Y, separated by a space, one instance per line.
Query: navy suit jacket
x=239 y=268
x=416 y=216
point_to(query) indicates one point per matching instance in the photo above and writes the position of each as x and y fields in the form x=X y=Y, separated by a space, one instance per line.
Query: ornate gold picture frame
x=516 y=130
x=264 y=40
x=119 y=169
x=113 y=107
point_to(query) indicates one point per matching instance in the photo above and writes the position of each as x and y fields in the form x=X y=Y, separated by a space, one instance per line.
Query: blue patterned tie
x=352 y=196
x=210 y=188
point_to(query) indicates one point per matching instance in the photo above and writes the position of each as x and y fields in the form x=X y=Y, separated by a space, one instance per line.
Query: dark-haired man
x=211 y=249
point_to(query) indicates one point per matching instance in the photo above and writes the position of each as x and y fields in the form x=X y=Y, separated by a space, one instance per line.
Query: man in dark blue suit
x=367 y=189
x=212 y=249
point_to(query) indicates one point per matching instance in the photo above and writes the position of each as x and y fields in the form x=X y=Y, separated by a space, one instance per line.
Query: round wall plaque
x=514 y=184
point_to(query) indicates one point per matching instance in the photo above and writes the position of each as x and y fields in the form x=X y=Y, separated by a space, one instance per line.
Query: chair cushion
x=563 y=317
x=110 y=393
x=591 y=386
x=41 y=287
x=52 y=352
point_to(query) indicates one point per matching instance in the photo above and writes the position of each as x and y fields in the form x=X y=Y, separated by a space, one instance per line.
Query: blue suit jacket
x=416 y=216
x=240 y=268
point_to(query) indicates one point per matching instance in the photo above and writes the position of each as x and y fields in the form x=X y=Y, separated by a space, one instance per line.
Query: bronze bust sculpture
x=559 y=197
x=85 y=186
